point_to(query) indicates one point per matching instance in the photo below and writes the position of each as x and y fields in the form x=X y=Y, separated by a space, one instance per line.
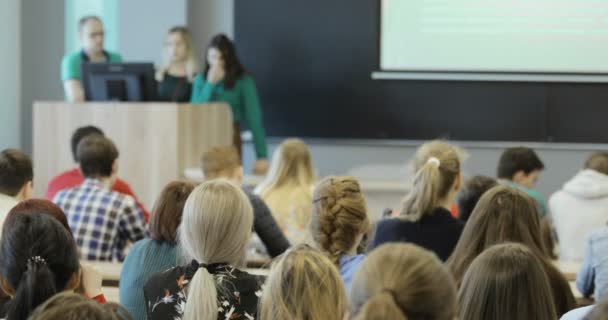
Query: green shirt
x=244 y=101
x=542 y=205
x=71 y=63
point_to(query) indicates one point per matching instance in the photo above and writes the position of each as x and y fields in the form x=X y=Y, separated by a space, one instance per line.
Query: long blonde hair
x=303 y=284
x=402 y=281
x=436 y=166
x=216 y=228
x=507 y=281
x=339 y=216
x=192 y=63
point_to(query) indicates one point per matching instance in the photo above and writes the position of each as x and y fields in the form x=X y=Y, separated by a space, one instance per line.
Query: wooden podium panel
x=156 y=141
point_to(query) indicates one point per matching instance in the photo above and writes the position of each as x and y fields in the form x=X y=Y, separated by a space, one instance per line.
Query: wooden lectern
x=156 y=141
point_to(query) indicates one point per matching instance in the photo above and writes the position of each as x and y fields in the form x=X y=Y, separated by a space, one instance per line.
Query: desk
x=568 y=268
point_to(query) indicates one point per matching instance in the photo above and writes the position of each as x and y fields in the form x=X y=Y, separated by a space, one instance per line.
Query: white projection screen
x=536 y=37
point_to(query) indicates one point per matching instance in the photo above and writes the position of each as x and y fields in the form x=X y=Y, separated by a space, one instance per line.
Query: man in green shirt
x=92 y=38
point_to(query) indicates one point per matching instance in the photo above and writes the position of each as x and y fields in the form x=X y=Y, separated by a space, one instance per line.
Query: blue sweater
x=145 y=258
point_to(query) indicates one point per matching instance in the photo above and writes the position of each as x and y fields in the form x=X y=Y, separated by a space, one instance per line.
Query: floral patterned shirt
x=238 y=292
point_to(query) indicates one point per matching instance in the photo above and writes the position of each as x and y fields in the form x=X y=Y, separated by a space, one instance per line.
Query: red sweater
x=73 y=178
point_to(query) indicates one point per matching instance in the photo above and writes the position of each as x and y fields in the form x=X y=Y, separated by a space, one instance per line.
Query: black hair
x=39 y=258
x=96 y=155
x=468 y=197
x=233 y=67
x=15 y=171
x=518 y=159
x=80 y=134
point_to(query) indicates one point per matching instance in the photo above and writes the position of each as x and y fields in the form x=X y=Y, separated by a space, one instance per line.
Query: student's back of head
x=472 y=190
x=598 y=162
x=34 y=206
x=436 y=167
x=507 y=281
x=167 y=211
x=97 y=156
x=222 y=162
x=216 y=228
x=402 y=281
x=520 y=165
x=39 y=259
x=80 y=134
x=71 y=306
x=16 y=174
x=303 y=284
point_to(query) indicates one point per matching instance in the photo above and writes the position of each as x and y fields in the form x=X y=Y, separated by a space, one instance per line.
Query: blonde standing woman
x=303 y=284
x=179 y=66
x=287 y=189
x=214 y=233
x=402 y=281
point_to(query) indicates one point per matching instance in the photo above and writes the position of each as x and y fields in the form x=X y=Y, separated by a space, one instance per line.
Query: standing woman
x=179 y=67
x=226 y=80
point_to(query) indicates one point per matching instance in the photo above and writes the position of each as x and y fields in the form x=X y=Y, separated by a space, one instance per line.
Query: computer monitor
x=119 y=81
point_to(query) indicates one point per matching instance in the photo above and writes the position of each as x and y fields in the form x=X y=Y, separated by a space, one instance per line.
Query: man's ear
x=518 y=176
x=6 y=287
x=26 y=192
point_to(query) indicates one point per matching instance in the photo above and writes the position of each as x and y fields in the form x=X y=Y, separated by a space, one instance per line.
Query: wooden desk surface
x=568 y=268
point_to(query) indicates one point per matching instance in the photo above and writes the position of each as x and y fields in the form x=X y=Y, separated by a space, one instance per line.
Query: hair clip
x=434 y=161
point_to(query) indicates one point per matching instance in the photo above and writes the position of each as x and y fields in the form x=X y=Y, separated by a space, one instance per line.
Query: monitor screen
x=119 y=81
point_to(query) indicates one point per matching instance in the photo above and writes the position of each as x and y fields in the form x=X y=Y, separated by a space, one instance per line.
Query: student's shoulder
x=72 y=58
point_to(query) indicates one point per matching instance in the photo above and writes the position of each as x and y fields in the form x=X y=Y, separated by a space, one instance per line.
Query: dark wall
x=313 y=59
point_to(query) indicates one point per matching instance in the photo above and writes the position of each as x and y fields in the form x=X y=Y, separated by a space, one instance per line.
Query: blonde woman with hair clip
x=179 y=66
x=505 y=282
x=425 y=218
x=215 y=231
x=339 y=222
x=303 y=284
x=287 y=189
x=401 y=281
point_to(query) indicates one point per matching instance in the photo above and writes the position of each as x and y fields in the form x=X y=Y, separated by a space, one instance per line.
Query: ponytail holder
x=35 y=260
x=434 y=161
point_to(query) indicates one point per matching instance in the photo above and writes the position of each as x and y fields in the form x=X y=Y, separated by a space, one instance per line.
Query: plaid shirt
x=102 y=220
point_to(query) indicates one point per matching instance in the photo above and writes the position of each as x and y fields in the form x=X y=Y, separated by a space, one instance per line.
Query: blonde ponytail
x=436 y=167
x=380 y=307
x=202 y=284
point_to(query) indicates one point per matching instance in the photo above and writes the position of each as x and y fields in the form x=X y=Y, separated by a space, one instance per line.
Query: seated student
x=472 y=190
x=215 y=231
x=425 y=218
x=39 y=259
x=180 y=65
x=520 y=167
x=287 y=188
x=91 y=37
x=16 y=175
x=505 y=282
x=339 y=222
x=303 y=284
x=592 y=277
x=157 y=253
x=73 y=178
x=103 y=221
x=71 y=306
x=507 y=214
x=581 y=206
x=224 y=163
x=402 y=281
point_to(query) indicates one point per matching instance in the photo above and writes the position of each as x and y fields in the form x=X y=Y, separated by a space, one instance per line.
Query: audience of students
x=103 y=221
x=216 y=228
x=581 y=207
x=92 y=36
x=303 y=284
x=506 y=281
x=224 y=163
x=287 y=188
x=425 y=218
x=521 y=167
x=180 y=65
x=403 y=281
x=71 y=306
x=74 y=177
x=224 y=79
x=157 y=253
x=16 y=180
x=507 y=214
x=339 y=222
x=470 y=193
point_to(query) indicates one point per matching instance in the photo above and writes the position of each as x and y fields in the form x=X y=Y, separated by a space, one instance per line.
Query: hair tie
x=434 y=161
x=35 y=260
x=213 y=267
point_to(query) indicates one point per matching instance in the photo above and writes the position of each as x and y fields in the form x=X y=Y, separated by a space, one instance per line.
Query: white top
x=6 y=204
x=577 y=314
x=579 y=208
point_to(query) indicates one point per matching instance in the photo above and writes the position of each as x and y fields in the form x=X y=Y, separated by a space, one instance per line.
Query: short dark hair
x=80 y=134
x=518 y=159
x=86 y=19
x=15 y=171
x=96 y=155
x=468 y=197
x=167 y=211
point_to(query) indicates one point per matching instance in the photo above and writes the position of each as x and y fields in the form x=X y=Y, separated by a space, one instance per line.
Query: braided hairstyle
x=339 y=216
